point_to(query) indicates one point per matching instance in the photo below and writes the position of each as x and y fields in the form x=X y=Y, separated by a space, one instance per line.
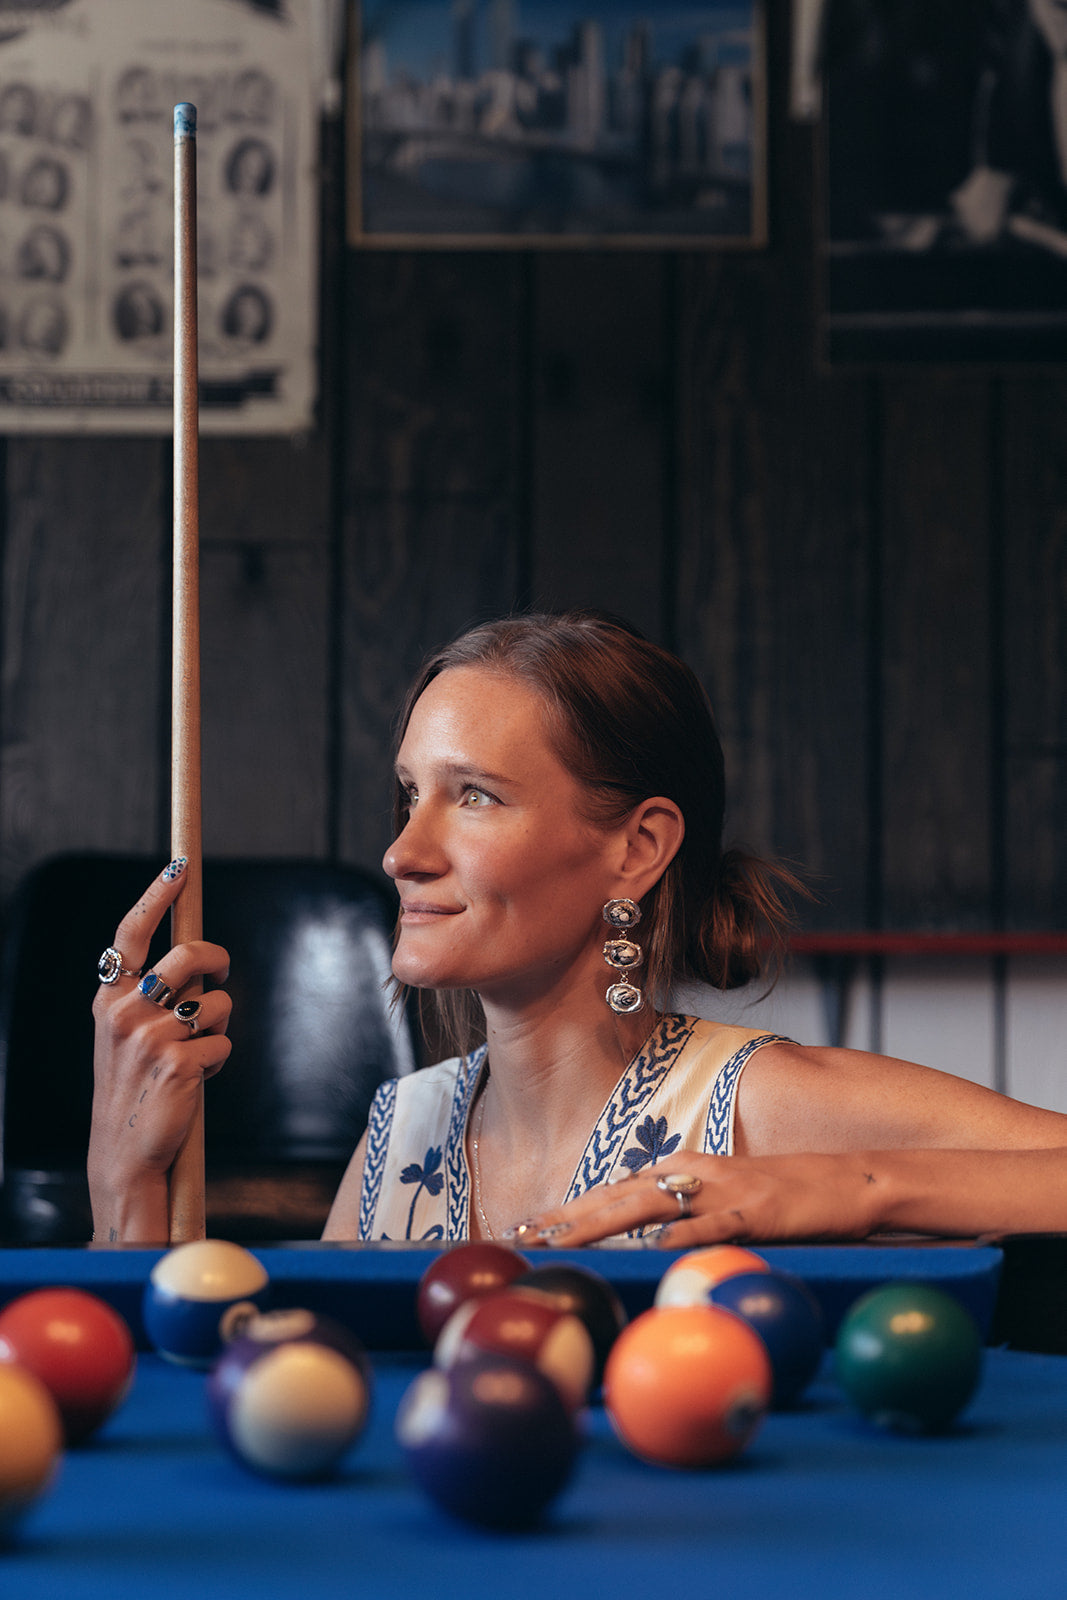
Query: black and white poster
x=87 y=96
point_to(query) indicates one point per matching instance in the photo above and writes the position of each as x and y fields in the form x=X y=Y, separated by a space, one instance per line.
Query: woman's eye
x=408 y=797
x=476 y=799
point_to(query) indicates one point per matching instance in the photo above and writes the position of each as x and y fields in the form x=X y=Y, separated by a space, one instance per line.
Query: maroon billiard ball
x=490 y=1441
x=466 y=1272
x=79 y=1348
x=530 y=1328
x=588 y=1296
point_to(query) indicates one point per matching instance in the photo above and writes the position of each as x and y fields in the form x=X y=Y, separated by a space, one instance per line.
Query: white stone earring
x=623 y=954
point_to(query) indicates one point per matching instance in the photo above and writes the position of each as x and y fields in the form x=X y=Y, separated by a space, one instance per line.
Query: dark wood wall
x=868 y=569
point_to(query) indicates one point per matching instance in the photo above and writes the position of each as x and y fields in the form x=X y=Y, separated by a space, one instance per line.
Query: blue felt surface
x=820 y=1506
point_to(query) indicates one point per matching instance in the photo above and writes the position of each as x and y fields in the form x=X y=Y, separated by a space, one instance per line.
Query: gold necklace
x=476 y=1133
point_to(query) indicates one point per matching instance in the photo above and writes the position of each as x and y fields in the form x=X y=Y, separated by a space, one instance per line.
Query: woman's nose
x=416 y=850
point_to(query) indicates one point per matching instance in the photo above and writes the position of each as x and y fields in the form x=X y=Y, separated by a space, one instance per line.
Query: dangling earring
x=623 y=954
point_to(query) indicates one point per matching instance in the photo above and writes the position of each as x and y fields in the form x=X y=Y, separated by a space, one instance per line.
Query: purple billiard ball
x=291 y=1394
x=197 y=1296
x=789 y=1320
x=489 y=1441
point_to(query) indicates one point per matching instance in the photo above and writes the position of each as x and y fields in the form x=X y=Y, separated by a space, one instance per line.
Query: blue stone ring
x=109 y=969
x=153 y=988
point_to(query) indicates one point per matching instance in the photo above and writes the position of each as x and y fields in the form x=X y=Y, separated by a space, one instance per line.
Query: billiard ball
x=290 y=1395
x=466 y=1272
x=686 y=1281
x=31 y=1442
x=197 y=1297
x=80 y=1348
x=687 y=1386
x=587 y=1295
x=909 y=1357
x=789 y=1320
x=490 y=1441
x=529 y=1327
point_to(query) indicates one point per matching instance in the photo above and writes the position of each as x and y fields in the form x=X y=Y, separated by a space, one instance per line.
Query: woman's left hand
x=725 y=1198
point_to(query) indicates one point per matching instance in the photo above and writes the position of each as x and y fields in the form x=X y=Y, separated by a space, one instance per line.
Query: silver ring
x=153 y=988
x=681 y=1186
x=110 y=968
x=188 y=1011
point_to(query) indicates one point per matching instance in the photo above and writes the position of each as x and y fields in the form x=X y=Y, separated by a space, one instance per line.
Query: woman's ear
x=653 y=836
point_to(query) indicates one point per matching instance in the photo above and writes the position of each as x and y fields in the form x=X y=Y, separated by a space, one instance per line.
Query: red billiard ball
x=530 y=1328
x=586 y=1295
x=80 y=1349
x=687 y=1386
x=490 y=1441
x=466 y=1272
x=789 y=1320
x=686 y=1281
x=31 y=1442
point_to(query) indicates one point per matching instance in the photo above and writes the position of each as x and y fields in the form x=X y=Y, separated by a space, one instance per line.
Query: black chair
x=312 y=1028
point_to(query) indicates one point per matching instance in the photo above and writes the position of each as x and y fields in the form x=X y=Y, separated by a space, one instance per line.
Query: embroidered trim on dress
x=458 y=1184
x=721 y=1104
x=379 y=1125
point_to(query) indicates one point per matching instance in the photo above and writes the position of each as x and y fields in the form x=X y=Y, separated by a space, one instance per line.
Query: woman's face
x=501 y=880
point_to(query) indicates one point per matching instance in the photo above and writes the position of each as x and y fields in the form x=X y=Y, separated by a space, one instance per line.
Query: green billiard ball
x=908 y=1357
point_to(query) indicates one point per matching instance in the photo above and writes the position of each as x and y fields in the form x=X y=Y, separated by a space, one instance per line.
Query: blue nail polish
x=175 y=868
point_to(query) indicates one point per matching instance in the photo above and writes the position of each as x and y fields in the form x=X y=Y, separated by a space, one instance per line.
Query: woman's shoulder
x=720 y=1042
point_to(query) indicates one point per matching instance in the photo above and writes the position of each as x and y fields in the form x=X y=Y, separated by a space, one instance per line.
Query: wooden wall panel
x=1035 y=650
x=430 y=497
x=772 y=569
x=82 y=618
x=599 y=444
x=937 y=808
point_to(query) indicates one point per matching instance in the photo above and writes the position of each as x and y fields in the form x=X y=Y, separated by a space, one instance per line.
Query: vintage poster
x=87 y=96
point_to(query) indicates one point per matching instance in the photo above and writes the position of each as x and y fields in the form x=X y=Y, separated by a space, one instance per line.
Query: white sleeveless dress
x=678 y=1093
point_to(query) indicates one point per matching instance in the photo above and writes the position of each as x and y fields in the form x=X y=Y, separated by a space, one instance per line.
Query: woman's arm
x=148 y=1066
x=343 y=1221
x=841 y=1144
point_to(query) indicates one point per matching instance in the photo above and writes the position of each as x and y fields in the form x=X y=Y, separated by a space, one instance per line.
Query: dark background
x=867 y=568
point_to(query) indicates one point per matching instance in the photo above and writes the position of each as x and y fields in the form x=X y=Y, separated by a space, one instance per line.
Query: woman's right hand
x=148 y=1067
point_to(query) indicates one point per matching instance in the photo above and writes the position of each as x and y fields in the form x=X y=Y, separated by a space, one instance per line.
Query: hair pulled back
x=630 y=720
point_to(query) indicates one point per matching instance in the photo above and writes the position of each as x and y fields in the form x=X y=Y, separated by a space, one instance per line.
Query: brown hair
x=630 y=720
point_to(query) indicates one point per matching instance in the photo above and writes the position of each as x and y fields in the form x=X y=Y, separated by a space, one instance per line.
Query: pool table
x=820 y=1504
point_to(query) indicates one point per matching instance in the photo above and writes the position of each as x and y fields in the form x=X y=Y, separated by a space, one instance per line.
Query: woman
x=559 y=864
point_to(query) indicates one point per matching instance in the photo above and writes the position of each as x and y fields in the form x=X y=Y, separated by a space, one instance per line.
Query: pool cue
x=187 y=1209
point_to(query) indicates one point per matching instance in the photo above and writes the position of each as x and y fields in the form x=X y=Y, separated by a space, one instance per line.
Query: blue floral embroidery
x=651 y=1135
x=427 y=1177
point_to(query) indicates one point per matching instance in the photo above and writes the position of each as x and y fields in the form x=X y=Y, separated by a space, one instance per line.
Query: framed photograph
x=945 y=181
x=533 y=123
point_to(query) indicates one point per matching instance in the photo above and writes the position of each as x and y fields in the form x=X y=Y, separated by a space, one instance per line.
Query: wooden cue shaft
x=187 y=1208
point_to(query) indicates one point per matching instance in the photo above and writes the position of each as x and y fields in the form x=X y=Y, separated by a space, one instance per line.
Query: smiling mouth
x=414 y=912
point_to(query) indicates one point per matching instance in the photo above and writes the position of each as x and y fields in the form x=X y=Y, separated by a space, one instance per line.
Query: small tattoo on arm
x=870 y=1177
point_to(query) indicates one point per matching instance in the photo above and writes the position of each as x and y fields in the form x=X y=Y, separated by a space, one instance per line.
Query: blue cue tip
x=184 y=120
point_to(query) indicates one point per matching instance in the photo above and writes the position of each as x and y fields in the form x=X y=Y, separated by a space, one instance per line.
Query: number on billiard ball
x=490 y=1441
x=79 y=1347
x=909 y=1357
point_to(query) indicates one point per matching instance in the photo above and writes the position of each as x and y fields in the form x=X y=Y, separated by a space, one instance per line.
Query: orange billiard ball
x=686 y=1281
x=687 y=1386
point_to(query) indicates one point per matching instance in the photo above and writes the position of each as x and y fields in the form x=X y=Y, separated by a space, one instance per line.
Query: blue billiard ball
x=197 y=1296
x=489 y=1441
x=789 y=1320
x=291 y=1394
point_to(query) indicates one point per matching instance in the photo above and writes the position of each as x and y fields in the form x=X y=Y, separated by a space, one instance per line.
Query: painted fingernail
x=175 y=868
x=518 y=1230
x=654 y=1238
x=555 y=1230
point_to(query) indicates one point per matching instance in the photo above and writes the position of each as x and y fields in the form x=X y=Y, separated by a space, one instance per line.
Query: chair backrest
x=312 y=1028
